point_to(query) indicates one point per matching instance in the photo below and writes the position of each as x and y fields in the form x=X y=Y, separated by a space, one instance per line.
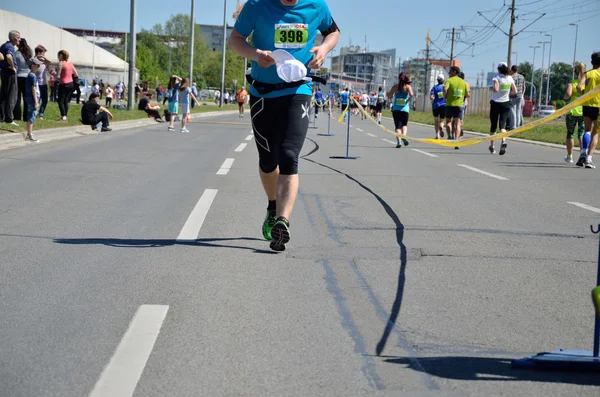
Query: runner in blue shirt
x=344 y=96
x=439 y=106
x=318 y=100
x=401 y=94
x=280 y=97
x=379 y=105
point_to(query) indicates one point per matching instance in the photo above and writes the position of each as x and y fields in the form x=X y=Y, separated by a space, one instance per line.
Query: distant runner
x=344 y=98
x=575 y=117
x=455 y=91
x=380 y=103
x=504 y=85
x=438 y=106
x=241 y=96
x=591 y=109
x=364 y=102
x=401 y=94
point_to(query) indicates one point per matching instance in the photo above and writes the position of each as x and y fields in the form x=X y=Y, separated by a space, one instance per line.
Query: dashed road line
x=226 y=167
x=585 y=207
x=249 y=137
x=501 y=178
x=122 y=374
x=241 y=147
x=371 y=135
x=388 y=141
x=196 y=219
x=424 y=152
x=358 y=129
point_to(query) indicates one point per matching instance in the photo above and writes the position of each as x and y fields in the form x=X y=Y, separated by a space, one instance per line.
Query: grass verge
x=52 y=115
x=553 y=132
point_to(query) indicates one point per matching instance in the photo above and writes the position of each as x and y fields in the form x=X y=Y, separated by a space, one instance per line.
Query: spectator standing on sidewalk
x=53 y=85
x=109 y=96
x=66 y=73
x=516 y=100
x=42 y=77
x=195 y=92
x=24 y=54
x=31 y=97
x=8 y=92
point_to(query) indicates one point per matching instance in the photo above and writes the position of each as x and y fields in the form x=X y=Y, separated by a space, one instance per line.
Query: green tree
x=560 y=77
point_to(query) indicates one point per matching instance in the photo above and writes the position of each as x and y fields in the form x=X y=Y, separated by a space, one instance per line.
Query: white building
x=83 y=54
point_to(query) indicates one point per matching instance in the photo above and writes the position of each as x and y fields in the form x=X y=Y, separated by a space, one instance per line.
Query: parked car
x=85 y=86
x=545 y=110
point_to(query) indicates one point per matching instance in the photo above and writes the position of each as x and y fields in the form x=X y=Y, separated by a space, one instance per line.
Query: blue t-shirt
x=319 y=96
x=276 y=26
x=184 y=96
x=173 y=93
x=344 y=97
x=5 y=49
x=438 y=93
x=31 y=82
x=401 y=102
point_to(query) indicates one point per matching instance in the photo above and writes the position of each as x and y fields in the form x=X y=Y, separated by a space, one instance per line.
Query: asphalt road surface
x=132 y=264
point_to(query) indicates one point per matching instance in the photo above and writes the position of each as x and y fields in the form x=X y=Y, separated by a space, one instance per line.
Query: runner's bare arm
x=239 y=45
x=581 y=85
x=320 y=52
x=392 y=92
x=568 y=92
x=410 y=91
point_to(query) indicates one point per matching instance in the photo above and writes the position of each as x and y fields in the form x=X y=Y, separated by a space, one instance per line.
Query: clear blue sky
x=387 y=24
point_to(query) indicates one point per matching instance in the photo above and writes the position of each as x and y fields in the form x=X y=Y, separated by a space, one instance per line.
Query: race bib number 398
x=291 y=35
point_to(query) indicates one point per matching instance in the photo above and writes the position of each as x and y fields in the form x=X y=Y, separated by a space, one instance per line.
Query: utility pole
x=132 y=44
x=548 y=96
x=426 y=82
x=511 y=33
x=452 y=48
x=192 y=25
x=543 y=43
x=532 y=71
x=224 y=48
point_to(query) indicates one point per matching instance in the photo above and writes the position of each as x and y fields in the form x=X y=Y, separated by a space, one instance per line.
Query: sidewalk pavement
x=15 y=139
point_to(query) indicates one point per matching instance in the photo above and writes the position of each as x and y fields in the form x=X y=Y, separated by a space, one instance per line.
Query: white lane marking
x=226 y=167
x=371 y=135
x=194 y=223
x=122 y=374
x=586 y=207
x=358 y=129
x=483 y=172
x=423 y=152
x=241 y=147
x=249 y=137
x=388 y=141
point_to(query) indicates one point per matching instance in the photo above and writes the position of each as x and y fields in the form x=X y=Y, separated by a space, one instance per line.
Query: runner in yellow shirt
x=455 y=92
x=591 y=110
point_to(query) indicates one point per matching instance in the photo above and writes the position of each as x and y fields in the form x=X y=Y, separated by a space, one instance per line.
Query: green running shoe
x=405 y=142
x=280 y=234
x=270 y=221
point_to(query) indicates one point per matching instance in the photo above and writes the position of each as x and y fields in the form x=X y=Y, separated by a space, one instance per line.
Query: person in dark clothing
x=90 y=115
x=151 y=110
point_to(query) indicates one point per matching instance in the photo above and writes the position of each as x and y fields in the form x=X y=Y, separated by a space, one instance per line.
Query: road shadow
x=399 y=231
x=491 y=369
x=535 y=165
x=159 y=243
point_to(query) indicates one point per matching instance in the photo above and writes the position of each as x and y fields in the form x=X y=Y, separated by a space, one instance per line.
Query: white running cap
x=289 y=69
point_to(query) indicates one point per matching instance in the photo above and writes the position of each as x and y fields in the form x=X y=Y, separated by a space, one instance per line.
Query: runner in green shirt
x=455 y=92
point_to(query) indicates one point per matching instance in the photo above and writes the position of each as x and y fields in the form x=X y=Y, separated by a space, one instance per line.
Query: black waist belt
x=265 y=88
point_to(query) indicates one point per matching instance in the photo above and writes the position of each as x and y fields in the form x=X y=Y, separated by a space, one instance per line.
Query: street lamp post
x=132 y=47
x=575 y=49
x=543 y=43
x=94 y=55
x=533 y=69
x=192 y=26
x=548 y=96
x=223 y=55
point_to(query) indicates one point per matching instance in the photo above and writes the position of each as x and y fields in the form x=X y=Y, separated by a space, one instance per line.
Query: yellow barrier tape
x=343 y=116
x=473 y=141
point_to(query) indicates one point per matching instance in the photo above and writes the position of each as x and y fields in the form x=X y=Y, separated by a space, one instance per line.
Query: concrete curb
x=15 y=140
x=528 y=141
